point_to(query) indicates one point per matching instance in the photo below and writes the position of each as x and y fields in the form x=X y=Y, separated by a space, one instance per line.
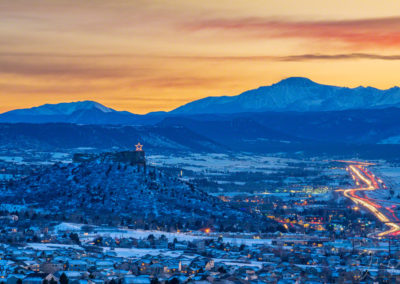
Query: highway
x=366 y=181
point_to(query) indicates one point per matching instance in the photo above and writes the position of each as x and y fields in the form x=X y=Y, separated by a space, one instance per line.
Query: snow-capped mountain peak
x=63 y=108
x=296 y=94
x=295 y=81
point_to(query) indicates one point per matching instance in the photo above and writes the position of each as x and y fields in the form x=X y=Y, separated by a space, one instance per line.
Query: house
x=51 y=267
x=72 y=274
x=13 y=278
x=38 y=278
x=31 y=265
x=77 y=265
x=104 y=264
x=132 y=279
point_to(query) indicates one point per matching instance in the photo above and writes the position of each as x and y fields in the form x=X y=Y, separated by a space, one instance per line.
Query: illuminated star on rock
x=139 y=147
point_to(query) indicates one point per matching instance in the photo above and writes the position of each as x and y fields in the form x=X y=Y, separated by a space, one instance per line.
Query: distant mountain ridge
x=296 y=94
x=82 y=112
x=62 y=108
x=293 y=115
x=56 y=136
x=291 y=94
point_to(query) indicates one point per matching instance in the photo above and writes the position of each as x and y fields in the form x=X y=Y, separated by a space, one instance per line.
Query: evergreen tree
x=64 y=279
x=172 y=281
x=75 y=238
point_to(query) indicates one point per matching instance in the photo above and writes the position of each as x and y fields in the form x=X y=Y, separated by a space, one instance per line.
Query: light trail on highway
x=367 y=182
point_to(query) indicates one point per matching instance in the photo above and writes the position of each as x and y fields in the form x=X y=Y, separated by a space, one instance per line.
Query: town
x=295 y=233
x=85 y=253
x=205 y=142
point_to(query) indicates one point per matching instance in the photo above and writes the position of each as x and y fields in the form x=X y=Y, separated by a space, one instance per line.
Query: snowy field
x=143 y=234
x=46 y=247
x=222 y=162
x=11 y=159
x=121 y=252
x=390 y=174
x=138 y=252
x=12 y=207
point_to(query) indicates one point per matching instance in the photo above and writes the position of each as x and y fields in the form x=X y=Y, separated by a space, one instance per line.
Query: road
x=366 y=181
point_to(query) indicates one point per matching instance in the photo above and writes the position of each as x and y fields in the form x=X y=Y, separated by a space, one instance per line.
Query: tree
x=64 y=279
x=173 y=281
x=75 y=238
x=98 y=241
x=221 y=269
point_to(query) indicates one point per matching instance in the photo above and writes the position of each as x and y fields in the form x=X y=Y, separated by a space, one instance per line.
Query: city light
x=361 y=175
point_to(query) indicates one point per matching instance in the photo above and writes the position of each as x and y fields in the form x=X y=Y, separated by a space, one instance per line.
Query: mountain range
x=291 y=115
x=291 y=94
x=296 y=94
x=84 y=112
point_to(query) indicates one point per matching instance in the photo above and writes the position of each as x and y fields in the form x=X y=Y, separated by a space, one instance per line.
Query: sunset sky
x=148 y=55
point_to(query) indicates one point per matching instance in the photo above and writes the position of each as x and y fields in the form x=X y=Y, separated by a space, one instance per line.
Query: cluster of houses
x=80 y=256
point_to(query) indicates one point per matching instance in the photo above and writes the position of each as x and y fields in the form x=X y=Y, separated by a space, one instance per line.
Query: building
x=131 y=157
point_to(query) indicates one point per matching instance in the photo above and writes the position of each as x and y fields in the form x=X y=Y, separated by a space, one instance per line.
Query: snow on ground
x=10 y=159
x=12 y=207
x=68 y=227
x=393 y=173
x=137 y=252
x=231 y=194
x=257 y=264
x=58 y=155
x=391 y=177
x=121 y=252
x=41 y=246
x=143 y=234
x=222 y=162
x=5 y=176
x=391 y=140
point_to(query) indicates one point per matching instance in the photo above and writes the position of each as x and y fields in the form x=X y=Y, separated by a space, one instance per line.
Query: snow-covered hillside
x=121 y=194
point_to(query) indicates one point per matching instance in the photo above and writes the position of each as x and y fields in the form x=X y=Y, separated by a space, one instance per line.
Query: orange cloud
x=359 y=34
